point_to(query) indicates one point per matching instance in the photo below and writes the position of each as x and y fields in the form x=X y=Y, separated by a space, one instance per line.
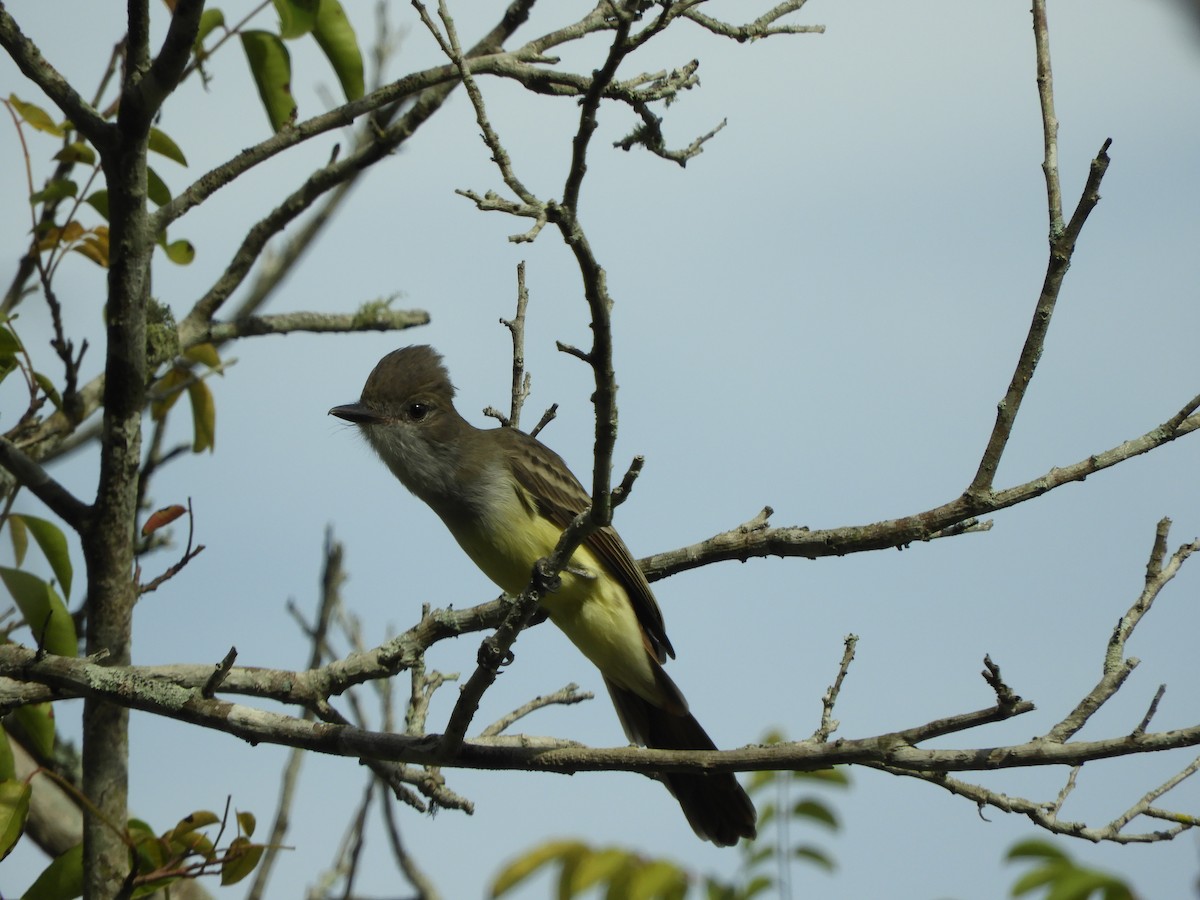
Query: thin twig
x=220 y=672
x=189 y=554
x=564 y=696
x=332 y=576
x=1062 y=246
x=828 y=723
x=521 y=382
x=416 y=876
x=1045 y=81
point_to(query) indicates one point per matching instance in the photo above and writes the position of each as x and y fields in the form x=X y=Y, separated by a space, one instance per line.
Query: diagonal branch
x=38 y=70
x=1061 y=249
x=749 y=543
x=62 y=502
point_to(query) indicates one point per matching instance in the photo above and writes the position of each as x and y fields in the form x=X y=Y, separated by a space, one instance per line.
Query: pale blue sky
x=819 y=314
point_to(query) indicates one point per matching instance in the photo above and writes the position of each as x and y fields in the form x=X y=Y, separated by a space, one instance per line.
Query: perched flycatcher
x=506 y=499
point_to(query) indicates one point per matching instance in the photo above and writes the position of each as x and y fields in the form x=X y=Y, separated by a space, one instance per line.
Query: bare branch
x=137 y=688
x=372 y=317
x=828 y=724
x=1045 y=81
x=496 y=651
x=546 y=419
x=762 y=27
x=1044 y=815
x=922 y=526
x=62 y=502
x=415 y=875
x=1061 y=249
x=220 y=670
x=1154 y=585
x=562 y=697
x=450 y=46
x=521 y=382
x=145 y=96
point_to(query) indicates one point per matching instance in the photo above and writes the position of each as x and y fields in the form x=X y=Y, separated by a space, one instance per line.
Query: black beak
x=358 y=413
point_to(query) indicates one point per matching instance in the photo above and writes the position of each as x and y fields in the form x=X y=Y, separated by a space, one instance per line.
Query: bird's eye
x=417 y=411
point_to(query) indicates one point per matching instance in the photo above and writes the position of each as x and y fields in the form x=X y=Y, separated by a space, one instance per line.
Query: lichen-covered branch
x=750 y=543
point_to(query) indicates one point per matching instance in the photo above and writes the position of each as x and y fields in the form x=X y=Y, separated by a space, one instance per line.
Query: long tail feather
x=715 y=805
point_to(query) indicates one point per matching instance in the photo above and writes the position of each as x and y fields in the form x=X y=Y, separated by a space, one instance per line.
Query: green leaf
x=180 y=252
x=156 y=188
x=205 y=354
x=8 y=365
x=20 y=538
x=767 y=813
x=61 y=880
x=38 y=721
x=194 y=843
x=185 y=839
x=595 y=868
x=271 y=66
x=659 y=878
x=8 y=768
x=209 y=19
x=199 y=819
x=816 y=811
x=151 y=854
x=43 y=610
x=98 y=200
x=246 y=823
x=717 y=890
x=204 y=417
x=335 y=36
x=1036 y=878
x=1080 y=884
x=50 y=391
x=155 y=888
x=14 y=808
x=162 y=144
x=53 y=544
x=816 y=856
x=54 y=190
x=77 y=152
x=758 y=780
x=9 y=345
x=296 y=17
x=756 y=886
x=240 y=860
x=167 y=390
x=524 y=866
x=1034 y=848
x=36 y=117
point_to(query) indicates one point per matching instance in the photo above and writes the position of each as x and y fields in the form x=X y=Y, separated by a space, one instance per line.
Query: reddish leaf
x=162 y=517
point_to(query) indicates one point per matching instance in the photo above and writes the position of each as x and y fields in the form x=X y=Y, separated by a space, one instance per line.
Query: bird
x=506 y=498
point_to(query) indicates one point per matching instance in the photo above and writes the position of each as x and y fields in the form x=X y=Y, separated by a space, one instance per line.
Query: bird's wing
x=560 y=498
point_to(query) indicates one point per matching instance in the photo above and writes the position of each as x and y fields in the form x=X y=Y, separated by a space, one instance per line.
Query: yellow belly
x=591 y=608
